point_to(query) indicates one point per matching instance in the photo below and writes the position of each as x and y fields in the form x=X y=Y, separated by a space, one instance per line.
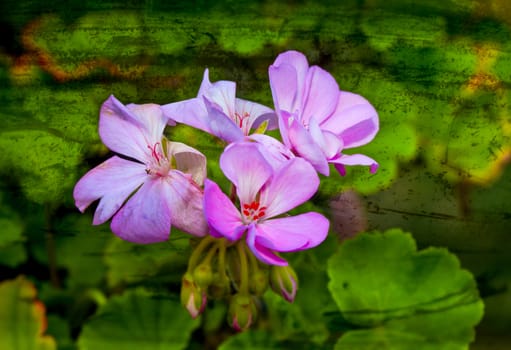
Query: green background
x=437 y=71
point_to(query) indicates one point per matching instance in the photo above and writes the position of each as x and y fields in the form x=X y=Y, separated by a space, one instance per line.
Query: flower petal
x=329 y=143
x=293 y=233
x=221 y=93
x=185 y=200
x=305 y=146
x=146 y=217
x=353 y=159
x=188 y=160
x=190 y=112
x=130 y=131
x=260 y=251
x=152 y=117
x=253 y=115
x=355 y=120
x=320 y=96
x=245 y=166
x=273 y=151
x=293 y=184
x=220 y=124
x=221 y=214
x=112 y=181
x=287 y=80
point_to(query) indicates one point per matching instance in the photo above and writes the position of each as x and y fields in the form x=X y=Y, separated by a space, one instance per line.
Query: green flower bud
x=203 y=276
x=242 y=312
x=219 y=288
x=283 y=281
x=193 y=298
x=259 y=282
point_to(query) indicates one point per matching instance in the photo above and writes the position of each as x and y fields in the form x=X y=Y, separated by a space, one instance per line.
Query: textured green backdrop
x=437 y=71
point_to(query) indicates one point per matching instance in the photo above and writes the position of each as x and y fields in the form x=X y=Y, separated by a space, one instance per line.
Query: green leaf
x=137 y=320
x=253 y=340
x=23 y=317
x=130 y=263
x=399 y=296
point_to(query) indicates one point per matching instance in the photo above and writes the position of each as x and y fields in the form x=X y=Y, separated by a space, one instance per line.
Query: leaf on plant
x=137 y=320
x=401 y=298
x=23 y=317
x=253 y=340
x=130 y=263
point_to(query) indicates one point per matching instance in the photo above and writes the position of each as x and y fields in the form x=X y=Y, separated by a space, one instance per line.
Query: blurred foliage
x=23 y=317
x=438 y=73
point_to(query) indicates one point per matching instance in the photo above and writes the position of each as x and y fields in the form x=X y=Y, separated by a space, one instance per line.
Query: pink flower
x=156 y=187
x=316 y=120
x=217 y=111
x=264 y=194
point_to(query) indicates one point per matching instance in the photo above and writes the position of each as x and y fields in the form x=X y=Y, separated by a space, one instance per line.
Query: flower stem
x=199 y=250
x=243 y=268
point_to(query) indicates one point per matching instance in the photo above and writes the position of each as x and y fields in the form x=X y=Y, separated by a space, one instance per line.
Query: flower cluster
x=153 y=183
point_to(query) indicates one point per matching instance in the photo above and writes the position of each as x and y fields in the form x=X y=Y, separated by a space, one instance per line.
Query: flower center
x=240 y=120
x=158 y=163
x=253 y=211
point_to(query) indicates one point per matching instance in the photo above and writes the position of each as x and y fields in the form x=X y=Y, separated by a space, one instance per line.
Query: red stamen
x=153 y=151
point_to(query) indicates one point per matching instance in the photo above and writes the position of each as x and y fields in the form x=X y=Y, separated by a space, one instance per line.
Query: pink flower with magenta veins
x=218 y=111
x=317 y=121
x=264 y=195
x=156 y=187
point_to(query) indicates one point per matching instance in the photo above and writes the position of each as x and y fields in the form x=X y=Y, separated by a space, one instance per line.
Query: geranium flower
x=156 y=187
x=217 y=111
x=265 y=194
x=317 y=121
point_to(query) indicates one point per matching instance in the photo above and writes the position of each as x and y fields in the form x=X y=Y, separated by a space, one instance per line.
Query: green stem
x=221 y=258
x=199 y=250
x=243 y=268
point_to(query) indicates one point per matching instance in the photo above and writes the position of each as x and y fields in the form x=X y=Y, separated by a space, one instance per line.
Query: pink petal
x=220 y=124
x=322 y=95
x=221 y=93
x=190 y=112
x=288 y=73
x=293 y=233
x=354 y=159
x=146 y=217
x=221 y=214
x=188 y=160
x=185 y=200
x=273 y=151
x=305 y=146
x=293 y=184
x=355 y=120
x=260 y=251
x=329 y=143
x=129 y=131
x=257 y=114
x=151 y=116
x=245 y=166
x=112 y=181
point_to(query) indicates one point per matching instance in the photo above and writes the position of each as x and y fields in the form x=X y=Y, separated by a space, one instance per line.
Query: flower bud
x=203 y=276
x=193 y=298
x=283 y=281
x=259 y=282
x=219 y=288
x=242 y=312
